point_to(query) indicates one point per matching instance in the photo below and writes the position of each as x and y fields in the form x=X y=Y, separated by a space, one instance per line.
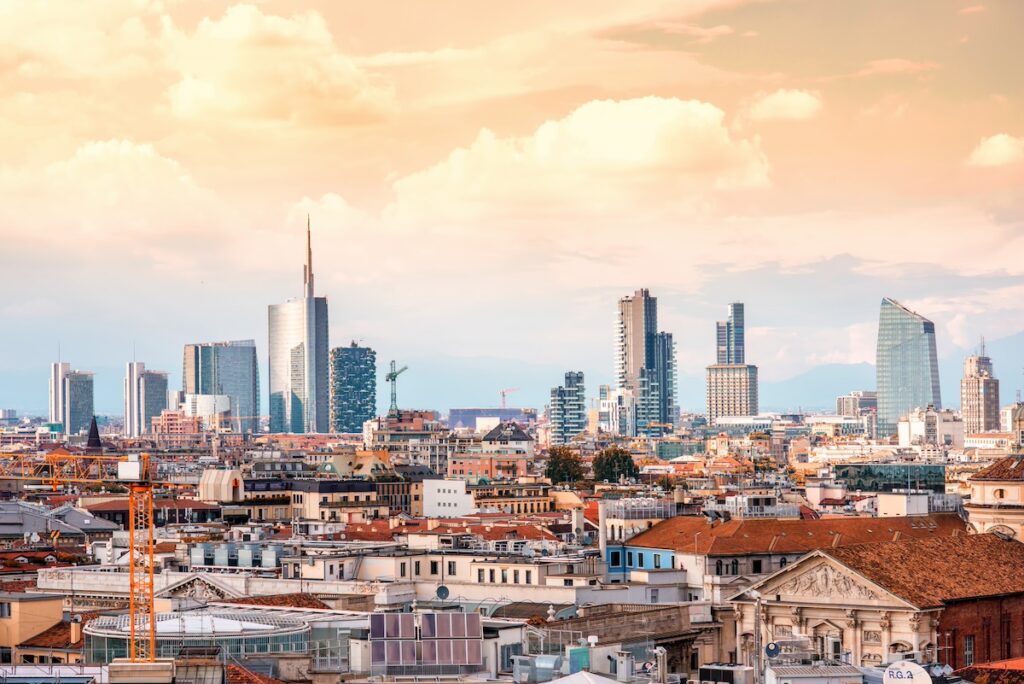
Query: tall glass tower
x=731 y=333
x=353 y=387
x=645 y=362
x=299 y=392
x=907 y=365
x=230 y=369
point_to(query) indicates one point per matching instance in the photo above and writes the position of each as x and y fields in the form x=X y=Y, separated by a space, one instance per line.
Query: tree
x=564 y=465
x=614 y=463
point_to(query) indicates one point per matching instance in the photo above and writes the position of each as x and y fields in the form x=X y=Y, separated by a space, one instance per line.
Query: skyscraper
x=228 y=369
x=353 y=387
x=732 y=388
x=645 y=362
x=568 y=409
x=979 y=394
x=57 y=372
x=78 y=402
x=299 y=392
x=731 y=335
x=907 y=366
x=145 y=396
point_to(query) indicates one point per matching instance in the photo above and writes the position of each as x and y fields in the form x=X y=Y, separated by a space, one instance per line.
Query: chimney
x=76 y=629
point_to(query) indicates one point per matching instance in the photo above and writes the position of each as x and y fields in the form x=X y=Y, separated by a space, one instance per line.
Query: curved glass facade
x=907 y=366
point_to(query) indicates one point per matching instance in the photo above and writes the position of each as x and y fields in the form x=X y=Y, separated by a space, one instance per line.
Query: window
x=629 y=558
x=657 y=561
x=615 y=558
x=529 y=576
x=718 y=567
x=968 y=649
x=735 y=566
x=757 y=567
x=515 y=577
x=640 y=559
x=416 y=568
x=480 y=575
x=654 y=595
x=451 y=568
x=5 y=610
x=490 y=575
x=401 y=569
x=567 y=582
x=783 y=561
x=504 y=575
x=433 y=567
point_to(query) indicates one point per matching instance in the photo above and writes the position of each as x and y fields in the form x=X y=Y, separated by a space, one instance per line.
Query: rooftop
x=1007 y=469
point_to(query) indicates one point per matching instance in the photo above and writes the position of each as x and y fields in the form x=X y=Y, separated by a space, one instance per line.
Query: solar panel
x=454 y=639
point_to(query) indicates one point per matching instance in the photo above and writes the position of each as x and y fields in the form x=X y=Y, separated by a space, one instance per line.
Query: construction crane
x=505 y=392
x=60 y=468
x=392 y=377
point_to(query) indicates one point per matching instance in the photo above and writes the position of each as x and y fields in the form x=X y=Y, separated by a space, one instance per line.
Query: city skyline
x=815 y=190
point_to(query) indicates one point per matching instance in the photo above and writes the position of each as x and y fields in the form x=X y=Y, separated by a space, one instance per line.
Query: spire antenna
x=307 y=270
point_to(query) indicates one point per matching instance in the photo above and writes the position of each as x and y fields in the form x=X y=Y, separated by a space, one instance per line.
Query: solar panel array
x=442 y=639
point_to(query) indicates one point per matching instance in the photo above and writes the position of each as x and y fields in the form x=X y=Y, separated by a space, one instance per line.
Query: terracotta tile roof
x=1009 y=468
x=998 y=672
x=58 y=636
x=122 y=505
x=18 y=586
x=693 y=534
x=296 y=600
x=932 y=572
x=239 y=675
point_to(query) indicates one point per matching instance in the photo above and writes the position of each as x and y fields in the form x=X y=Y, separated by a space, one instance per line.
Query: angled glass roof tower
x=907 y=367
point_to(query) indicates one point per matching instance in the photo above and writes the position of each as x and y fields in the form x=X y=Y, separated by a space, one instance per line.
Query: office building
x=931 y=426
x=229 y=369
x=616 y=411
x=731 y=337
x=568 y=409
x=77 y=397
x=57 y=373
x=907 y=366
x=857 y=403
x=298 y=365
x=645 y=363
x=353 y=387
x=145 y=396
x=731 y=391
x=979 y=395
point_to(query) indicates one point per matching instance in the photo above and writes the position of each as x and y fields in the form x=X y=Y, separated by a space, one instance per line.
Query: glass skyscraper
x=145 y=396
x=230 y=369
x=353 y=387
x=298 y=365
x=645 y=363
x=78 y=406
x=907 y=365
x=731 y=335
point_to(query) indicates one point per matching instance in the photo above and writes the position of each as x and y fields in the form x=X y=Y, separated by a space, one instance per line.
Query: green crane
x=392 y=377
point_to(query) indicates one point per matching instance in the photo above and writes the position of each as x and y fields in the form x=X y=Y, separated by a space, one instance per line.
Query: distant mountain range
x=446 y=382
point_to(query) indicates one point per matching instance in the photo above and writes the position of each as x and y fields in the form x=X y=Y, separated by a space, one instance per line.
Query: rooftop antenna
x=982 y=346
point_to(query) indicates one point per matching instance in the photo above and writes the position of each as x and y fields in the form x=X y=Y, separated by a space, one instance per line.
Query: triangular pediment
x=198 y=587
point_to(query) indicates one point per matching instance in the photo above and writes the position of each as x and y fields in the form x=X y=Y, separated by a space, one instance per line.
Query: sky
x=484 y=180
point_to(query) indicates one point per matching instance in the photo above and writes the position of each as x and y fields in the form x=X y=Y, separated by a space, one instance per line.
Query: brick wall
x=997 y=625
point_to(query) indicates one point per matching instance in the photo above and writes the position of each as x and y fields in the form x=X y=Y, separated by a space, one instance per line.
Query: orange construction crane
x=504 y=394
x=60 y=468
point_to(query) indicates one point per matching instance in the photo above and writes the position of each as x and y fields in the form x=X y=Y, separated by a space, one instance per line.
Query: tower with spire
x=298 y=364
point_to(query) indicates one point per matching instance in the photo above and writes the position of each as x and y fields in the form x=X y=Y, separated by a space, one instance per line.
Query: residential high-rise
x=731 y=336
x=731 y=382
x=57 y=373
x=731 y=390
x=77 y=395
x=907 y=366
x=299 y=392
x=353 y=387
x=145 y=396
x=228 y=369
x=568 y=409
x=857 y=403
x=979 y=394
x=645 y=363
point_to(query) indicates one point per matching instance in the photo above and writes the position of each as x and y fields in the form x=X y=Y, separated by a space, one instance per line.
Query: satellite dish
x=906 y=672
x=442 y=592
x=772 y=649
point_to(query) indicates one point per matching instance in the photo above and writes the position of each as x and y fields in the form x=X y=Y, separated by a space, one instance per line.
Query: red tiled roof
x=296 y=600
x=58 y=636
x=998 y=672
x=239 y=675
x=1010 y=468
x=931 y=572
x=122 y=505
x=693 y=534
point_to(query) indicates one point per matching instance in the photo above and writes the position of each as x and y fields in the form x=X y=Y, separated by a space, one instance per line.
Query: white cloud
x=270 y=69
x=895 y=65
x=605 y=158
x=997 y=150
x=785 y=104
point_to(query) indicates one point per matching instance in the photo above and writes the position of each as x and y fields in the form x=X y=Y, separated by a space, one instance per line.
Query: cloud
x=607 y=156
x=973 y=9
x=784 y=104
x=895 y=65
x=268 y=68
x=997 y=150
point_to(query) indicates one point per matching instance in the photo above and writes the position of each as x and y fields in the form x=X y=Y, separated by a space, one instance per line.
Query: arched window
x=783 y=561
x=718 y=567
x=735 y=567
x=999 y=493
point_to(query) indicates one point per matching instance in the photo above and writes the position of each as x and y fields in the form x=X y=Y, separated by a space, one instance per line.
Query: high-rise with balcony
x=353 y=387
x=568 y=409
x=645 y=363
x=906 y=365
x=732 y=387
x=298 y=365
x=226 y=369
x=979 y=394
x=145 y=396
